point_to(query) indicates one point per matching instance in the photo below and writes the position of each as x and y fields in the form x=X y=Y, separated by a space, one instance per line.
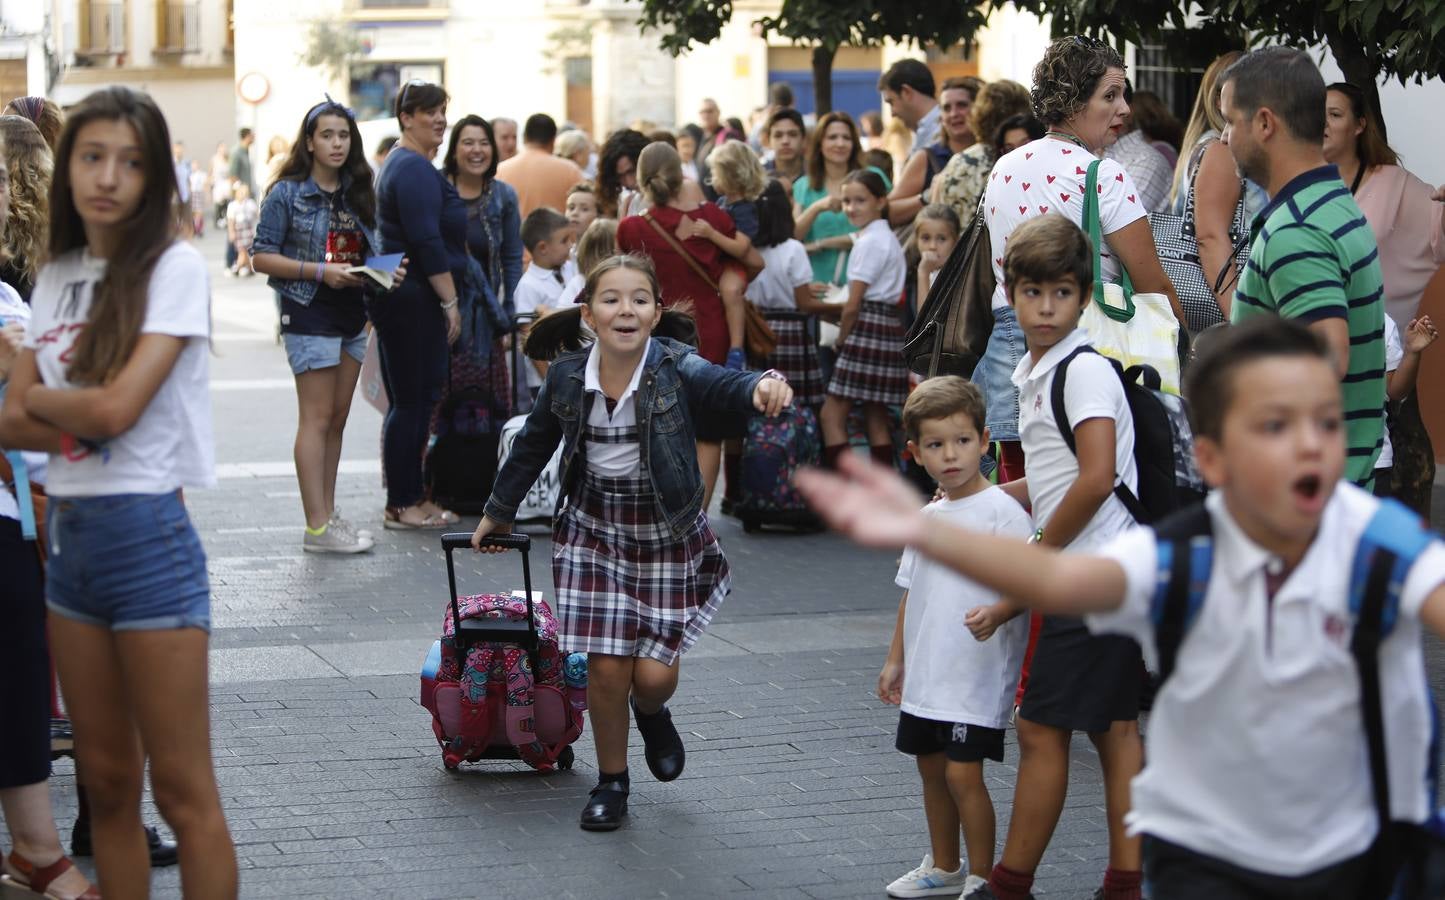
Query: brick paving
x=331 y=777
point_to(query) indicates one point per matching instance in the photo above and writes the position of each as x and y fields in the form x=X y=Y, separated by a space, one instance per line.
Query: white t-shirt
x=877 y=261
x=1048 y=175
x=947 y=675
x=571 y=291
x=1394 y=356
x=785 y=269
x=13 y=310
x=1092 y=391
x=613 y=460
x=170 y=445
x=1256 y=744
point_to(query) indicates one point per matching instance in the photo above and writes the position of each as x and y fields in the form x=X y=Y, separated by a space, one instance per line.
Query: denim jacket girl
x=676 y=384
x=295 y=218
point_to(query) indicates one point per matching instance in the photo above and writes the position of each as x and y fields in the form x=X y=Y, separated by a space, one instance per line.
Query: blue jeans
x=127 y=562
x=994 y=374
x=411 y=336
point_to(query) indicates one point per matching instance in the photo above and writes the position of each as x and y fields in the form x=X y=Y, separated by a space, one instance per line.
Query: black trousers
x=24 y=663
x=1175 y=873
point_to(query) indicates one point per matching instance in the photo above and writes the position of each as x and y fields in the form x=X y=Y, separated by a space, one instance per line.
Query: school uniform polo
x=1257 y=750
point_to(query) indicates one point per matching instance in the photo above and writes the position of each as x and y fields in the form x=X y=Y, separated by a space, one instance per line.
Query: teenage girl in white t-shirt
x=870 y=367
x=113 y=384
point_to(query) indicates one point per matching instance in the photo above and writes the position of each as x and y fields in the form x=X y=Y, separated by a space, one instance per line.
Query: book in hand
x=380 y=269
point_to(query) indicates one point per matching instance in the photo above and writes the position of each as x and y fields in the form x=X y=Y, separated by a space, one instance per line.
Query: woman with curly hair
x=46 y=114
x=1076 y=682
x=22 y=241
x=961 y=182
x=617 y=170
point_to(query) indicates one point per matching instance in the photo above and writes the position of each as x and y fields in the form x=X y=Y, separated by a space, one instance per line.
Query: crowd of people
x=625 y=270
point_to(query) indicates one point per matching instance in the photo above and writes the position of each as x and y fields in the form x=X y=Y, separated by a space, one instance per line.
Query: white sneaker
x=336 y=540
x=976 y=888
x=338 y=522
x=928 y=881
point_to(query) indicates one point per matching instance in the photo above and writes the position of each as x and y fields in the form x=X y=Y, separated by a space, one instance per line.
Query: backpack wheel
x=565 y=759
x=451 y=761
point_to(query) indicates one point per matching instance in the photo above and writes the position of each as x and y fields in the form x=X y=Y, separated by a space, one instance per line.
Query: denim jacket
x=676 y=383
x=294 y=220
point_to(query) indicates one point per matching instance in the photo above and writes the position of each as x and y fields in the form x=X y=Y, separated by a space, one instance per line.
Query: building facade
x=179 y=51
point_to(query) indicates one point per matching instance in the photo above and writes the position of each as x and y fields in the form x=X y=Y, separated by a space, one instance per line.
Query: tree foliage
x=329 y=47
x=825 y=24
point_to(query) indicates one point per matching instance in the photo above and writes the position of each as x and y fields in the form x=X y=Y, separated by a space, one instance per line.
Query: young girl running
x=870 y=367
x=113 y=384
x=318 y=218
x=638 y=570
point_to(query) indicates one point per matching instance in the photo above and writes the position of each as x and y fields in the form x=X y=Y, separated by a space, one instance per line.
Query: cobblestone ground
x=333 y=783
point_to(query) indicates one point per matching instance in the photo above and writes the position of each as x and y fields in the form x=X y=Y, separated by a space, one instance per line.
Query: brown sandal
x=23 y=873
x=391 y=520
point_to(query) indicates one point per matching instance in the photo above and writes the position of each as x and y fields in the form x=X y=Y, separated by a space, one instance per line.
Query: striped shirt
x=1313 y=258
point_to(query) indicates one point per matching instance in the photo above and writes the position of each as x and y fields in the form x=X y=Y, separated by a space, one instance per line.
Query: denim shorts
x=994 y=375
x=127 y=562
x=320 y=351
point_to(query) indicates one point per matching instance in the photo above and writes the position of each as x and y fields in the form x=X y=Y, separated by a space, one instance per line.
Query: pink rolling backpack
x=496 y=683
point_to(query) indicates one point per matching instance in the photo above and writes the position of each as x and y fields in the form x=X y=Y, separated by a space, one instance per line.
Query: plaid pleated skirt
x=870 y=367
x=796 y=356
x=625 y=585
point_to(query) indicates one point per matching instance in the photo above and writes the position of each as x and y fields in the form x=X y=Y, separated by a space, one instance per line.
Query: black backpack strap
x=1061 y=418
x=1365 y=648
x=1185 y=547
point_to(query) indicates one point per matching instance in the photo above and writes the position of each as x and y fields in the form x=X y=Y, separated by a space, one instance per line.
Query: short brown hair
x=597 y=243
x=1048 y=248
x=1209 y=380
x=941 y=397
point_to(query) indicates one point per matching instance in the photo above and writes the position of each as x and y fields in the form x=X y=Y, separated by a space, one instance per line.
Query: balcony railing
x=180 y=24
x=102 y=27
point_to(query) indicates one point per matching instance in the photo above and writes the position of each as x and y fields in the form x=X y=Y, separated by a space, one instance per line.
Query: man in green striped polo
x=1313 y=256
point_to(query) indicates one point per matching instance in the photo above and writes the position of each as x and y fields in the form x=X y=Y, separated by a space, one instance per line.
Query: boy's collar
x=1246 y=557
x=1028 y=370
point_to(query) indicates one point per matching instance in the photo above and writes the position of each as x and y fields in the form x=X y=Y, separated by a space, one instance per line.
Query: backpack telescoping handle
x=463 y=541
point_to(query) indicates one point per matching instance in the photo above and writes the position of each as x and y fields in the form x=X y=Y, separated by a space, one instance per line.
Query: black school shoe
x=163 y=852
x=606 y=806
x=662 y=745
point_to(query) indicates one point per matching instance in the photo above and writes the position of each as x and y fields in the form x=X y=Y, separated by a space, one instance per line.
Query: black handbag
x=954 y=322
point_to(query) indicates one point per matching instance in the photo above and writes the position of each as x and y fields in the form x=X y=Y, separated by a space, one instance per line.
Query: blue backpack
x=1407 y=860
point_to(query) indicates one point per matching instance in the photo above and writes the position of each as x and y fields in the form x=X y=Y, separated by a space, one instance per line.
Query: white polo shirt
x=1092 y=391
x=621 y=459
x=877 y=260
x=1256 y=745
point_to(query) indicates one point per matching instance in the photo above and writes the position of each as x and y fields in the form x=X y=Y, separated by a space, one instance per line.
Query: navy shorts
x=960 y=742
x=127 y=562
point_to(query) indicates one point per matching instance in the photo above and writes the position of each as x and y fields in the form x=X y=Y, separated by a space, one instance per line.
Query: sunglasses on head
x=415 y=82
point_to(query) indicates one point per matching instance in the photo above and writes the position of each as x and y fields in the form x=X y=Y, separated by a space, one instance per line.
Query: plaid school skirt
x=870 y=366
x=796 y=357
x=625 y=585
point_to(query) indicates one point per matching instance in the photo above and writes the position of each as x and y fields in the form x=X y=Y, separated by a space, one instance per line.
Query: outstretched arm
x=876 y=507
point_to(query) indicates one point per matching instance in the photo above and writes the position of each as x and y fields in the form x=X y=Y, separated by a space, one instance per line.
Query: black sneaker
x=163 y=852
x=606 y=805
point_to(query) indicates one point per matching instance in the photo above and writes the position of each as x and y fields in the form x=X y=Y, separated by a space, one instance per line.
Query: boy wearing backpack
x=1297 y=652
x=1078 y=682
